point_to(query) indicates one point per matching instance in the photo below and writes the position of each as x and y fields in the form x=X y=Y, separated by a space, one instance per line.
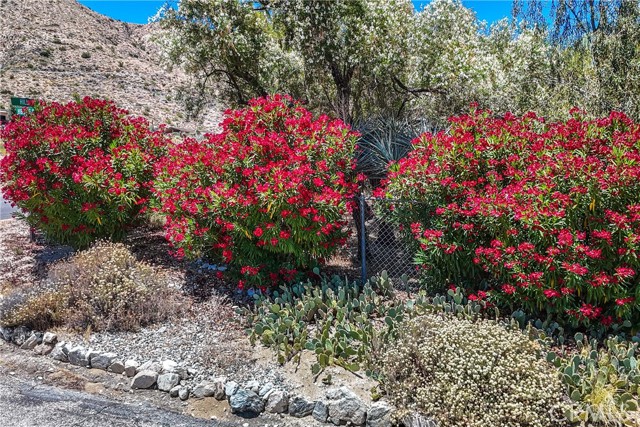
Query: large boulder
x=49 y=338
x=231 y=388
x=131 y=368
x=117 y=367
x=20 y=335
x=61 y=352
x=379 y=414
x=345 y=407
x=167 y=381
x=102 y=361
x=277 y=402
x=300 y=407
x=30 y=342
x=210 y=389
x=78 y=356
x=321 y=412
x=151 y=365
x=144 y=379
x=246 y=402
x=6 y=333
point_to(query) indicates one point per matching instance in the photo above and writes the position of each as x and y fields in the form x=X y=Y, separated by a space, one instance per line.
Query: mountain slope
x=55 y=49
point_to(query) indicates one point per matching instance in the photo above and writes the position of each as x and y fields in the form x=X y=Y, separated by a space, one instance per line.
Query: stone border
x=340 y=406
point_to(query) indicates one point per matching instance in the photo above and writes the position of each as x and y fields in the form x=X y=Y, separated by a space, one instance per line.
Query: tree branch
x=416 y=90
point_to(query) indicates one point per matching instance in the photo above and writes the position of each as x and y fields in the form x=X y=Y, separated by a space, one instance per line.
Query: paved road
x=26 y=404
x=5 y=209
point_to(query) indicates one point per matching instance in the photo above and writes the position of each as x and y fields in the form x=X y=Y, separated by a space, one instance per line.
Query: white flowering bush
x=464 y=373
x=341 y=56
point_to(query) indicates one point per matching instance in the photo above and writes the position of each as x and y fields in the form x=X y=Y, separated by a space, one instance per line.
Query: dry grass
x=102 y=288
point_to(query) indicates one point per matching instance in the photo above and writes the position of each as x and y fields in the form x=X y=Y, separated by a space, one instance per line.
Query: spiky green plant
x=384 y=140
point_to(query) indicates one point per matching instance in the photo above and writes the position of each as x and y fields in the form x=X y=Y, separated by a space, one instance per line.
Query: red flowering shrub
x=79 y=171
x=267 y=195
x=546 y=215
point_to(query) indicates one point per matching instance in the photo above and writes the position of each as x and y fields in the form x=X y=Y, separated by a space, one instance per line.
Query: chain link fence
x=377 y=243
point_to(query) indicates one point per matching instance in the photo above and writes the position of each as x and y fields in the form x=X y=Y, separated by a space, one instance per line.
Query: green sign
x=22 y=106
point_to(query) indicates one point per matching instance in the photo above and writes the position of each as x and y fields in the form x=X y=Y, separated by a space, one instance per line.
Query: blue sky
x=139 y=11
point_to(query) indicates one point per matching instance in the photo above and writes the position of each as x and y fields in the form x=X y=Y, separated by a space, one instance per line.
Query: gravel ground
x=206 y=337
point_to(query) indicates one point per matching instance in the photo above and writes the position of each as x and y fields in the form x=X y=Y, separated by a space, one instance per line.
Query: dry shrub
x=37 y=308
x=472 y=374
x=102 y=288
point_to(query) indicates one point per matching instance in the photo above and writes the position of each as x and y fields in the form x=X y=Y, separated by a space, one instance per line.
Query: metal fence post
x=363 y=239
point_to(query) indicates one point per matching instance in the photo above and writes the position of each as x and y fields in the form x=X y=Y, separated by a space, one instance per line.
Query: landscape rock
x=265 y=389
x=167 y=381
x=219 y=389
x=6 y=333
x=131 y=367
x=20 y=335
x=30 y=343
x=204 y=390
x=245 y=401
x=231 y=388
x=90 y=355
x=174 y=392
x=300 y=407
x=49 y=338
x=277 y=402
x=78 y=356
x=414 y=419
x=43 y=349
x=151 y=366
x=60 y=352
x=144 y=379
x=169 y=367
x=117 y=367
x=102 y=361
x=253 y=385
x=379 y=414
x=183 y=372
x=321 y=412
x=183 y=393
x=345 y=407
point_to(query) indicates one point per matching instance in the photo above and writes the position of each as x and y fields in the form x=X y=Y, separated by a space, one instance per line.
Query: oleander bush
x=267 y=195
x=540 y=216
x=79 y=171
x=102 y=288
x=472 y=373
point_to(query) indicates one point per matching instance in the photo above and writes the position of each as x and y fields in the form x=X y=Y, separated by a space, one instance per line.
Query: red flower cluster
x=80 y=171
x=267 y=195
x=548 y=213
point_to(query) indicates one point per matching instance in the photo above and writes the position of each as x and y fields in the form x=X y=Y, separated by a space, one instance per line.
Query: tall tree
x=341 y=56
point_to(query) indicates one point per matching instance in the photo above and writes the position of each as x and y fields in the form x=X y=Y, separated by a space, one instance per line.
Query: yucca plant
x=384 y=140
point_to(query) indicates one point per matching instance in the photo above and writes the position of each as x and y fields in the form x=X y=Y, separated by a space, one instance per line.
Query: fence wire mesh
x=384 y=244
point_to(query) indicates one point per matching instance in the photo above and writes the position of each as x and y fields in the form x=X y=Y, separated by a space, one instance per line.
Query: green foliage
x=267 y=195
x=79 y=171
x=384 y=141
x=472 y=373
x=360 y=58
x=344 y=323
x=602 y=381
x=341 y=57
x=540 y=215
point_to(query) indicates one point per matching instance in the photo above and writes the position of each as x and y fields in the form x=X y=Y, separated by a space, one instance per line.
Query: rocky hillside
x=55 y=49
